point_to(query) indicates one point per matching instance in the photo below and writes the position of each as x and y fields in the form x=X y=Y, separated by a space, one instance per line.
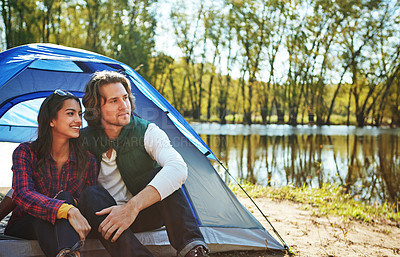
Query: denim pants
x=174 y=212
x=51 y=238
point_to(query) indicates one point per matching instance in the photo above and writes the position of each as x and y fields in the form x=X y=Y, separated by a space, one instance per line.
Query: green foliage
x=242 y=60
x=123 y=30
x=327 y=200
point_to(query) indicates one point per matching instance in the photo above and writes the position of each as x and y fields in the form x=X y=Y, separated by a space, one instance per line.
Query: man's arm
x=170 y=178
x=120 y=217
x=174 y=169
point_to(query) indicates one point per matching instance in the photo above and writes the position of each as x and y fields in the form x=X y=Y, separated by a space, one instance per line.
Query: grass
x=327 y=200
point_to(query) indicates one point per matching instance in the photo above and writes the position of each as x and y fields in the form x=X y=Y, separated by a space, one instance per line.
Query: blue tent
x=31 y=72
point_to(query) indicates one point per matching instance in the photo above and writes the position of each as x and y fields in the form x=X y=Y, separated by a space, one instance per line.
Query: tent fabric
x=31 y=72
x=41 y=58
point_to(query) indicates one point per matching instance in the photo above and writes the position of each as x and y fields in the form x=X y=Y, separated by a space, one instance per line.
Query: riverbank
x=337 y=120
x=319 y=227
x=310 y=235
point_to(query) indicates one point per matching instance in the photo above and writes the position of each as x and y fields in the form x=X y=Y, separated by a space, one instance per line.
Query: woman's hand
x=78 y=222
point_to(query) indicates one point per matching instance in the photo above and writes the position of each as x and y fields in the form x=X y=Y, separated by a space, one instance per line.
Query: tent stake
x=255 y=204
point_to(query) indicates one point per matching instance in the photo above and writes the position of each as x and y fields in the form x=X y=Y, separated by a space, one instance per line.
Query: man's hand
x=119 y=218
x=78 y=222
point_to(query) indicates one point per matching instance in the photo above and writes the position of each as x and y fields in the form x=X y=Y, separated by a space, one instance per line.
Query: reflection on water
x=366 y=163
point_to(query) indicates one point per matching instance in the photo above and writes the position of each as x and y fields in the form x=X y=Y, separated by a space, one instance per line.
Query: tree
x=359 y=36
x=251 y=32
x=276 y=27
x=323 y=25
x=187 y=34
x=299 y=49
x=96 y=20
x=21 y=21
x=214 y=26
x=6 y=12
x=162 y=64
x=130 y=39
x=225 y=82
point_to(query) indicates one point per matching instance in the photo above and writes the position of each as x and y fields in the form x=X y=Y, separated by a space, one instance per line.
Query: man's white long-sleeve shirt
x=157 y=144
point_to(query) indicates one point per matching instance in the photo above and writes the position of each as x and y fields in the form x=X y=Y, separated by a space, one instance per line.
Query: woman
x=48 y=176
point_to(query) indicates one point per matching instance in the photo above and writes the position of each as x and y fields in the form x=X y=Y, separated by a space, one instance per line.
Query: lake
x=365 y=161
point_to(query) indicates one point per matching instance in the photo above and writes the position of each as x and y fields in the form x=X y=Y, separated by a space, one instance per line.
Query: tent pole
x=255 y=204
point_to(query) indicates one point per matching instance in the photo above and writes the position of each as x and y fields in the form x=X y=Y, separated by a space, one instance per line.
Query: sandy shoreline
x=309 y=235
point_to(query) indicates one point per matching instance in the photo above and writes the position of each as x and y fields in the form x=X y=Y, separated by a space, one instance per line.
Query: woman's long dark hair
x=48 y=111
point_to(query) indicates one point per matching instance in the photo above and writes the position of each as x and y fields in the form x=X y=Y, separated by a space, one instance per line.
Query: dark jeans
x=174 y=212
x=52 y=238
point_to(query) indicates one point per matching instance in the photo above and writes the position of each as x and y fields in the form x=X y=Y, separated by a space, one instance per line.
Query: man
x=140 y=174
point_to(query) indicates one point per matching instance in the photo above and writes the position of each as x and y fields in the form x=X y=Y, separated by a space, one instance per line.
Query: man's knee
x=95 y=198
x=95 y=192
x=92 y=191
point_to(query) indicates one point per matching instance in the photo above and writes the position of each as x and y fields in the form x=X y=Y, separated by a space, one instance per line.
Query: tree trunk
x=171 y=82
x=209 y=97
x=6 y=13
x=264 y=113
x=223 y=97
x=334 y=97
x=348 y=109
x=222 y=114
x=248 y=112
x=360 y=119
x=279 y=112
x=293 y=118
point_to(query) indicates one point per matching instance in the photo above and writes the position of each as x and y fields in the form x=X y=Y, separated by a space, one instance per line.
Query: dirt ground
x=308 y=235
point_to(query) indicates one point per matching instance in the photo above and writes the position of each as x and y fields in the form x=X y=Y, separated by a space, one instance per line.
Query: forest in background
x=240 y=61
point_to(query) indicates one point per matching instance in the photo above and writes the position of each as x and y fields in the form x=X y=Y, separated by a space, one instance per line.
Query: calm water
x=365 y=161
